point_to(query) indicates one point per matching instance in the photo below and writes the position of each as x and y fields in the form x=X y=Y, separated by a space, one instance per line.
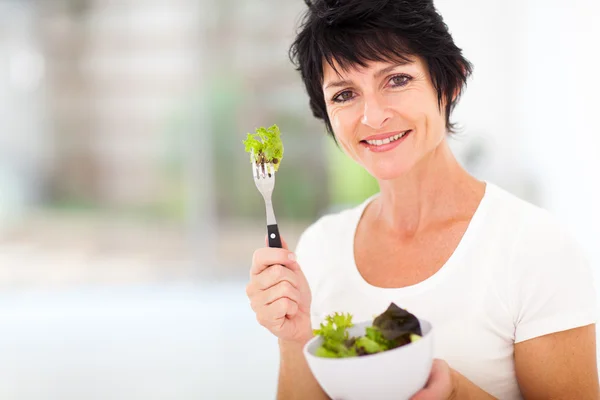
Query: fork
x=264 y=178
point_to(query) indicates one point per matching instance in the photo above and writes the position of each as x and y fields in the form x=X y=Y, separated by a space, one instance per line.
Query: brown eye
x=342 y=97
x=400 y=80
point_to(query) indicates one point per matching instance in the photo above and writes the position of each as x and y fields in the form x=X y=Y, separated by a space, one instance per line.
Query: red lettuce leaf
x=396 y=325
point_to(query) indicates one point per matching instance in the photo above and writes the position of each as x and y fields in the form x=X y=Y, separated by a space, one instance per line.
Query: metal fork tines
x=264 y=178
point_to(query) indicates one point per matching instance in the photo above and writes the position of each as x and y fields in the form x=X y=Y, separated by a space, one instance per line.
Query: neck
x=434 y=191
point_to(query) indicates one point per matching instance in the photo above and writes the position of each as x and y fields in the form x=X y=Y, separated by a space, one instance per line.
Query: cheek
x=343 y=121
x=335 y=122
x=412 y=104
x=422 y=111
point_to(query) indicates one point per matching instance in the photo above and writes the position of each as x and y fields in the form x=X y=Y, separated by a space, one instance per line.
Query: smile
x=385 y=144
x=387 y=140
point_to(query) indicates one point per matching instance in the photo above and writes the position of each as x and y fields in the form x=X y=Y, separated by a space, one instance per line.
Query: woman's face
x=384 y=116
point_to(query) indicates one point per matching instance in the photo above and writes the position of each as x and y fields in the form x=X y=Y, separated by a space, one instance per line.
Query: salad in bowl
x=388 y=357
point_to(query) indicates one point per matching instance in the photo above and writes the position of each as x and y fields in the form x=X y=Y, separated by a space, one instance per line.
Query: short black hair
x=354 y=32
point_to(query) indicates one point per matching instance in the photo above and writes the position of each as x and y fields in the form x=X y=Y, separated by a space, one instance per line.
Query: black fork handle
x=273 y=235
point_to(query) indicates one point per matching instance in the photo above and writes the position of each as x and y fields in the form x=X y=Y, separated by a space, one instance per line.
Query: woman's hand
x=279 y=294
x=440 y=385
x=446 y=383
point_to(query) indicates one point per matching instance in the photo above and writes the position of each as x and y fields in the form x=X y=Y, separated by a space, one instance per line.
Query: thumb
x=283 y=243
x=439 y=384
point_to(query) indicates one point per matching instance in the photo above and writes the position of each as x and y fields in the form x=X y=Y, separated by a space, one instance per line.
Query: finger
x=438 y=374
x=270 y=277
x=283 y=242
x=438 y=384
x=281 y=290
x=273 y=275
x=267 y=256
x=276 y=313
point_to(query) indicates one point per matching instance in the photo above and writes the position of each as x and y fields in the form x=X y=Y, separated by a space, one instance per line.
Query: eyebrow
x=377 y=74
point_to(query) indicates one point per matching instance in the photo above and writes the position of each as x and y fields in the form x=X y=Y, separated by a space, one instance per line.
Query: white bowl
x=395 y=374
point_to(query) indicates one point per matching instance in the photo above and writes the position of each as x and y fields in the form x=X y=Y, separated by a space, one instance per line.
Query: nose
x=375 y=113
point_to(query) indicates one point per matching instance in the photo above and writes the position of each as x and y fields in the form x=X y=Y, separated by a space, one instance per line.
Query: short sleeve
x=553 y=282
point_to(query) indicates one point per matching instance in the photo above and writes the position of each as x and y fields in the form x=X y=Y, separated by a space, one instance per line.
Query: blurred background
x=128 y=215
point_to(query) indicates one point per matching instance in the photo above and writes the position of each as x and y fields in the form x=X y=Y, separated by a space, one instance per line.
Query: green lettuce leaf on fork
x=265 y=146
x=393 y=328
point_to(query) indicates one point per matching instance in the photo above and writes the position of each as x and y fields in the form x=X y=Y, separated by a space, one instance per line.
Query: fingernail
x=292 y=256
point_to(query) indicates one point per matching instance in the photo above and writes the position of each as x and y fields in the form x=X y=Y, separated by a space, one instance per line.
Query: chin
x=388 y=171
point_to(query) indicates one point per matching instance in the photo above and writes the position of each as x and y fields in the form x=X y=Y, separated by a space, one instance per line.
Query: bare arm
x=280 y=296
x=448 y=384
x=296 y=381
x=561 y=365
x=557 y=366
x=464 y=389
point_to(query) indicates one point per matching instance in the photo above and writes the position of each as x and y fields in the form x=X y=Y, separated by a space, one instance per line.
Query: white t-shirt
x=514 y=276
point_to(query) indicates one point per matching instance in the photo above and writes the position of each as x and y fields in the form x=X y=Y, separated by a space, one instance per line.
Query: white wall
x=561 y=99
x=533 y=101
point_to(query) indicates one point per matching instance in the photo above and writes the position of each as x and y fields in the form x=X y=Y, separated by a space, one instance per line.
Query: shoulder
x=542 y=249
x=328 y=238
x=327 y=225
x=541 y=274
x=548 y=282
x=529 y=226
x=530 y=245
x=331 y=228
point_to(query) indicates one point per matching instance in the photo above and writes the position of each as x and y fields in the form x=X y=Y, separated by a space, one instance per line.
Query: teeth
x=386 y=140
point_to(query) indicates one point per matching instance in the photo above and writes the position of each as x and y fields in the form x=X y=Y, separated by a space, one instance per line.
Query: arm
x=280 y=296
x=556 y=366
x=560 y=365
x=295 y=379
x=446 y=383
x=467 y=390
x=554 y=309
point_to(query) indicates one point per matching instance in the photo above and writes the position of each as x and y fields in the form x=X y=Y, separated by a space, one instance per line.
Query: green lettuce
x=265 y=146
x=393 y=328
x=335 y=336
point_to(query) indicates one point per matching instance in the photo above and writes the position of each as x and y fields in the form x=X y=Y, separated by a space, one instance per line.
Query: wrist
x=298 y=341
x=455 y=378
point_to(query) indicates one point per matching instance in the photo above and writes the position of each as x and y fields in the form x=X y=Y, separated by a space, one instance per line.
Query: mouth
x=383 y=142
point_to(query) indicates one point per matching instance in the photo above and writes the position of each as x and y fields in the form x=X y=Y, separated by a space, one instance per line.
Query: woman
x=508 y=292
